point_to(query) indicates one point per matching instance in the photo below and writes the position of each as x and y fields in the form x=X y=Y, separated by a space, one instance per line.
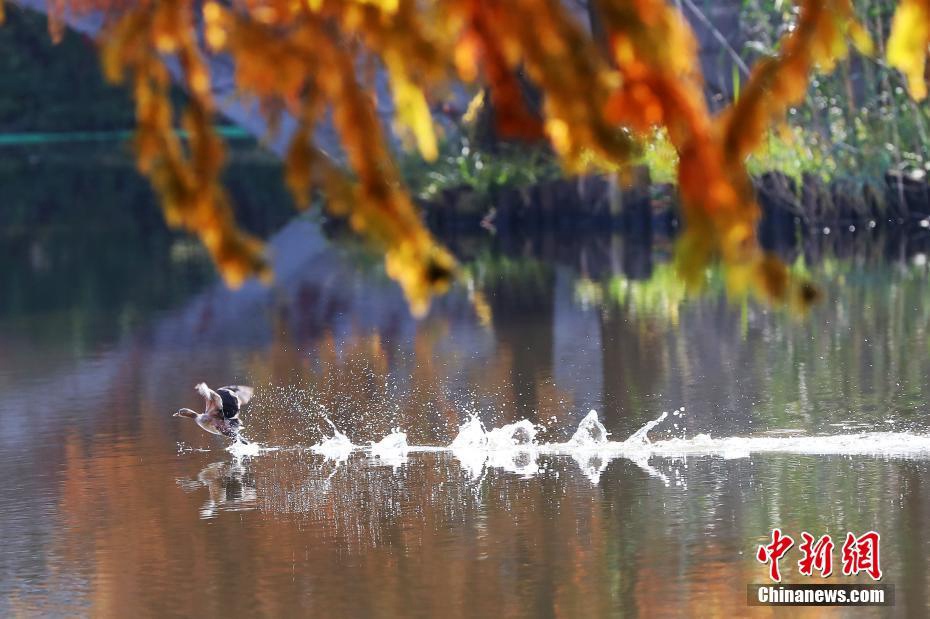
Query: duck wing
x=213 y=400
x=234 y=397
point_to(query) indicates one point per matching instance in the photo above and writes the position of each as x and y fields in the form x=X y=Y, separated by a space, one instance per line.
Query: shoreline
x=788 y=207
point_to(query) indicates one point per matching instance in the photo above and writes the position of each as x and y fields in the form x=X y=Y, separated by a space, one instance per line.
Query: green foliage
x=859 y=120
x=661 y=158
x=663 y=296
x=793 y=151
x=460 y=164
x=660 y=296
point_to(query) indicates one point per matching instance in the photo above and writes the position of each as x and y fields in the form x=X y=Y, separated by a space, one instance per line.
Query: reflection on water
x=229 y=484
x=361 y=538
x=111 y=506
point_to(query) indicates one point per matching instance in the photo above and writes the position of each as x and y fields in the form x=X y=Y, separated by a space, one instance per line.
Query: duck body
x=221 y=412
x=227 y=427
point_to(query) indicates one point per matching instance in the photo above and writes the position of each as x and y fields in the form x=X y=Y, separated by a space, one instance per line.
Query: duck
x=221 y=413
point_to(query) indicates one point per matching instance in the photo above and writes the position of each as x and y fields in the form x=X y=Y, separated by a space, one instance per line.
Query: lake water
x=112 y=507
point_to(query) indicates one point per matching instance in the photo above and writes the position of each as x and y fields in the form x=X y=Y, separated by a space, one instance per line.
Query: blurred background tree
x=595 y=80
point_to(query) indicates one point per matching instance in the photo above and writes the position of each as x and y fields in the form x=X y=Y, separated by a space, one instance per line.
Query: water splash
x=641 y=436
x=185 y=448
x=391 y=450
x=588 y=447
x=590 y=433
x=876 y=444
x=469 y=447
x=471 y=435
x=513 y=447
x=241 y=449
x=519 y=435
x=338 y=447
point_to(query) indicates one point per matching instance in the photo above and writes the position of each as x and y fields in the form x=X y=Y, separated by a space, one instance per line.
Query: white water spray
x=513 y=447
x=338 y=447
x=243 y=450
x=591 y=433
x=469 y=447
x=391 y=450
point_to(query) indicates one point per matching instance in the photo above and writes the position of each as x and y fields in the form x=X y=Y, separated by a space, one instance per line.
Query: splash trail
x=513 y=447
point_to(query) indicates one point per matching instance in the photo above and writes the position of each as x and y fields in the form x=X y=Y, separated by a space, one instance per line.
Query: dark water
x=111 y=507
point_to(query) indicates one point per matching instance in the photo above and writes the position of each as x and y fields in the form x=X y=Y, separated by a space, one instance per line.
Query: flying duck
x=221 y=415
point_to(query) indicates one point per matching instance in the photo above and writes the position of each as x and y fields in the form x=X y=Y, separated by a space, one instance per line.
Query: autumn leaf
x=599 y=96
x=909 y=43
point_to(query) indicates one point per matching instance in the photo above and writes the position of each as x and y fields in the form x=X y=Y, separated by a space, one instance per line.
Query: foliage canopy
x=602 y=93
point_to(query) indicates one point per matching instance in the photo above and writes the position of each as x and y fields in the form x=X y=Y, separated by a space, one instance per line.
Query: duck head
x=186 y=412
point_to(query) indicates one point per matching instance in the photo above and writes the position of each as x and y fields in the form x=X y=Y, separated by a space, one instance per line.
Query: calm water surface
x=114 y=508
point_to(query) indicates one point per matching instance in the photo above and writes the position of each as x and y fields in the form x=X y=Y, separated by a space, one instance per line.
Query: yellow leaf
x=412 y=109
x=861 y=39
x=907 y=44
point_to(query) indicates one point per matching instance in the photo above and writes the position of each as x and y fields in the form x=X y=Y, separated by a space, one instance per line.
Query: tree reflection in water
x=116 y=515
